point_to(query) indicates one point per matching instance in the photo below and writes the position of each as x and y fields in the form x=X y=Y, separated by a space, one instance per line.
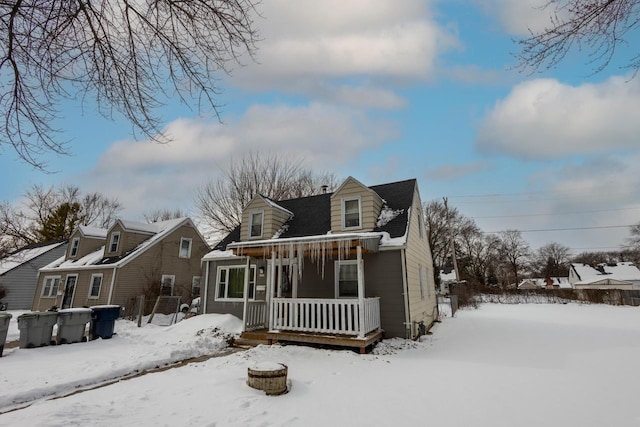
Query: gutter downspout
x=113 y=282
x=405 y=289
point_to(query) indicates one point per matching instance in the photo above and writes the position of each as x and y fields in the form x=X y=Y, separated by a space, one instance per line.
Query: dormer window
x=255 y=224
x=75 y=243
x=115 y=240
x=351 y=213
x=185 y=248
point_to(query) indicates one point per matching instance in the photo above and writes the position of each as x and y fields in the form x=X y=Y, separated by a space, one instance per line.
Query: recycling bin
x=71 y=324
x=36 y=328
x=103 y=320
x=5 y=318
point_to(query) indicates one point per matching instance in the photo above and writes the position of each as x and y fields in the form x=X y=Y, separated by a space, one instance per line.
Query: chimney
x=324 y=189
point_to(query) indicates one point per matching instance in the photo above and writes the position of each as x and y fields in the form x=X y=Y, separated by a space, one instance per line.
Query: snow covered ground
x=499 y=365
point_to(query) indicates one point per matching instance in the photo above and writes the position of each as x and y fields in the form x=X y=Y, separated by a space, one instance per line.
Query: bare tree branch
x=221 y=202
x=597 y=26
x=131 y=56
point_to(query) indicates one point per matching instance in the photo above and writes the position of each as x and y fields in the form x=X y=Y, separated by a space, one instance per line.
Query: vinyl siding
x=230 y=307
x=370 y=205
x=83 y=284
x=128 y=240
x=161 y=258
x=383 y=278
x=86 y=246
x=22 y=281
x=145 y=269
x=272 y=220
x=418 y=254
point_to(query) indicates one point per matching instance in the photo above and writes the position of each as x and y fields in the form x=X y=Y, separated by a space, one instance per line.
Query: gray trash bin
x=36 y=328
x=5 y=318
x=72 y=323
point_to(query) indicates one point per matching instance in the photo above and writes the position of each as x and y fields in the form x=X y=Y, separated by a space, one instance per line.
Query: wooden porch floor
x=263 y=336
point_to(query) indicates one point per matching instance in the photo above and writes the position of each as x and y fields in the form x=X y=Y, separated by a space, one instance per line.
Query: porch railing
x=330 y=316
x=256 y=316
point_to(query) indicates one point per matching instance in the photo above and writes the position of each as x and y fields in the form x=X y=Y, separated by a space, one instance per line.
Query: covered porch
x=349 y=319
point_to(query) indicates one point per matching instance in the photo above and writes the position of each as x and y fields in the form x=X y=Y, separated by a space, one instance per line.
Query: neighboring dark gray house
x=333 y=268
x=19 y=272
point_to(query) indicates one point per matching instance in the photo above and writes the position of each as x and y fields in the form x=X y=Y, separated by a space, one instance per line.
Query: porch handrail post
x=361 y=307
x=247 y=272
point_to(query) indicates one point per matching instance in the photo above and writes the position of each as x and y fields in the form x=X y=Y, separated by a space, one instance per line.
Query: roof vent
x=324 y=189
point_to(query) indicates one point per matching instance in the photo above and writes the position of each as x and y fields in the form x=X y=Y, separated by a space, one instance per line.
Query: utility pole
x=452 y=243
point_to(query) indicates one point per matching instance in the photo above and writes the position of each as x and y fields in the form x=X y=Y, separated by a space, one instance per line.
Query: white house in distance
x=545 y=283
x=620 y=275
x=447 y=278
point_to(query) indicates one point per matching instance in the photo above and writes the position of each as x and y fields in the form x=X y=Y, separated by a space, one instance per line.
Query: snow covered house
x=19 y=272
x=620 y=275
x=116 y=265
x=337 y=268
x=545 y=283
x=447 y=278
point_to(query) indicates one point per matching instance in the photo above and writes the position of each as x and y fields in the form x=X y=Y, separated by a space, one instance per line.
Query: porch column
x=271 y=282
x=247 y=272
x=360 y=292
x=279 y=284
x=293 y=268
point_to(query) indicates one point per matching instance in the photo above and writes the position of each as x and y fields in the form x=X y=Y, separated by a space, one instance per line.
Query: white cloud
x=144 y=175
x=518 y=17
x=544 y=118
x=309 y=40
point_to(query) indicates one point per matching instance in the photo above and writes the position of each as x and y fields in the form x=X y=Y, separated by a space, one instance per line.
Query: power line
x=562 y=229
x=555 y=214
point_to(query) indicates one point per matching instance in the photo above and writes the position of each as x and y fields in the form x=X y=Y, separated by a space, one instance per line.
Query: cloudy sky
x=386 y=90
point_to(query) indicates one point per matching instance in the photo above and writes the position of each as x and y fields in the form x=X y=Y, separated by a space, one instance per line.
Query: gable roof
x=96 y=258
x=312 y=214
x=27 y=254
x=621 y=271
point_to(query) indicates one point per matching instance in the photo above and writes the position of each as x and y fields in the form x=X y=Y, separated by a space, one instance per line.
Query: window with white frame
x=346 y=279
x=166 y=284
x=185 y=248
x=230 y=282
x=421 y=282
x=255 y=224
x=195 y=286
x=351 y=213
x=95 y=285
x=421 y=223
x=115 y=240
x=75 y=243
x=50 y=286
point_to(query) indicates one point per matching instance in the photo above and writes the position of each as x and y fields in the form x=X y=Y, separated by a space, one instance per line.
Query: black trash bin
x=103 y=321
x=5 y=318
x=71 y=324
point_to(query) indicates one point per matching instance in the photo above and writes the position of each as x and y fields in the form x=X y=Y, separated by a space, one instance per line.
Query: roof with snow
x=27 y=254
x=100 y=233
x=620 y=271
x=312 y=215
x=158 y=230
x=560 y=282
x=447 y=276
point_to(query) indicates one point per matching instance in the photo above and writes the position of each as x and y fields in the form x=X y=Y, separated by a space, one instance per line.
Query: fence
x=164 y=309
x=469 y=295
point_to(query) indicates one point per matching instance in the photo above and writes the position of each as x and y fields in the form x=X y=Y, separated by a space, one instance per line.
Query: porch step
x=252 y=338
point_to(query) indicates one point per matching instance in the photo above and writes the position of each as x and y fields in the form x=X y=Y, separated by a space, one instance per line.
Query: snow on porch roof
x=369 y=241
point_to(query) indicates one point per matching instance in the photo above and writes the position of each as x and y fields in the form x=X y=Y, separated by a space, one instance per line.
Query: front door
x=286 y=279
x=69 y=291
